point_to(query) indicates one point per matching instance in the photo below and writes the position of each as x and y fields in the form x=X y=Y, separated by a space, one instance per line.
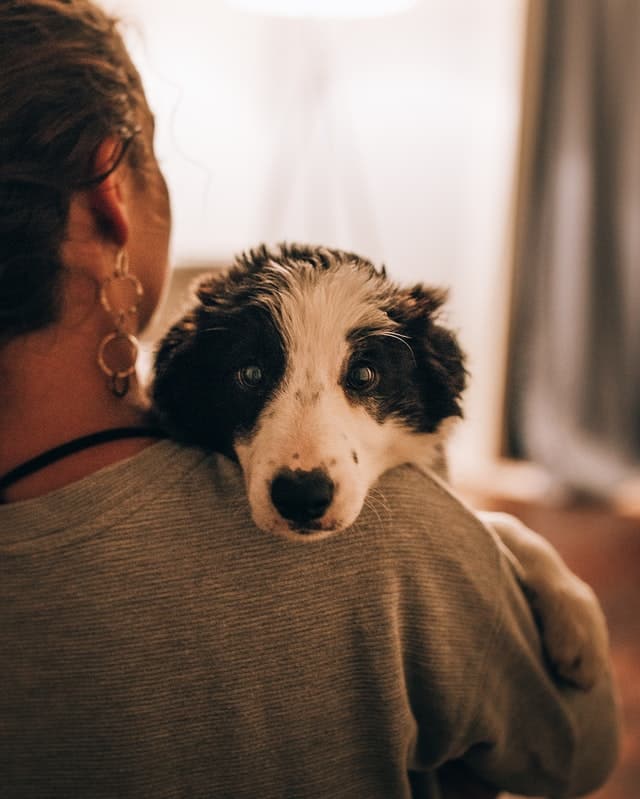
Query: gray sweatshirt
x=154 y=643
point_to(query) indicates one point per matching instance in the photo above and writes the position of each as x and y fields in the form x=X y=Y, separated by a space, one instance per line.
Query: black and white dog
x=318 y=374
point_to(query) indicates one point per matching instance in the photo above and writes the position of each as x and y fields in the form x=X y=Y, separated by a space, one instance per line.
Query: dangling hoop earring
x=120 y=295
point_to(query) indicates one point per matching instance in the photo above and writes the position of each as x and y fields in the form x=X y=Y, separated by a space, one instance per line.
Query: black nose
x=302 y=496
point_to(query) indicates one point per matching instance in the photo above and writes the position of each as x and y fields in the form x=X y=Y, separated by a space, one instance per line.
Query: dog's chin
x=318 y=530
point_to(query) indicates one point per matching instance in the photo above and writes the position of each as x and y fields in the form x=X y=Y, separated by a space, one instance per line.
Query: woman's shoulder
x=426 y=511
x=444 y=560
x=162 y=484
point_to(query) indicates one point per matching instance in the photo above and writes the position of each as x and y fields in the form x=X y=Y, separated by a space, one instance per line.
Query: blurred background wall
x=392 y=136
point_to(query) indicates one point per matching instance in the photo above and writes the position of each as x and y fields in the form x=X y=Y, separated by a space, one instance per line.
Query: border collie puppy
x=317 y=373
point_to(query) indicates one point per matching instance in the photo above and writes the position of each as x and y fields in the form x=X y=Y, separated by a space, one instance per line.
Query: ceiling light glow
x=324 y=9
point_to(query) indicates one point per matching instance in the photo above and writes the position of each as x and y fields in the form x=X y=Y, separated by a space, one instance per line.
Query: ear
x=188 y=380
x=439 y=359
x=176 y=357
x=175 y=381
x=107 y=198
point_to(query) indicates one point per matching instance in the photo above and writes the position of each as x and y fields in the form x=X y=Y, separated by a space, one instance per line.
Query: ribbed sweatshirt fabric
x=154 y=643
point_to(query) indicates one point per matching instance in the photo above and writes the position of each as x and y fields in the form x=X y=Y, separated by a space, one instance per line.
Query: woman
x=154 y=643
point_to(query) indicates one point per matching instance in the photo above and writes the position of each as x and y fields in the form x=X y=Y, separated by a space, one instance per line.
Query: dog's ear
x=186 y=366
x=174 y=371
x=440 y=362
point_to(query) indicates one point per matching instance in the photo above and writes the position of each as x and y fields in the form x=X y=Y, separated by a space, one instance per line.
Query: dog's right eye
x=362 y=377
x=250 y=376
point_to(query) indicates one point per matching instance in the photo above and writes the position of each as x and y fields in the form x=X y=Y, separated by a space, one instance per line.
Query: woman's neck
x=52 y=391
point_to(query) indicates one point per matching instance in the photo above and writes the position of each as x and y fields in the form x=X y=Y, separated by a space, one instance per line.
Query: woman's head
x=67 y=85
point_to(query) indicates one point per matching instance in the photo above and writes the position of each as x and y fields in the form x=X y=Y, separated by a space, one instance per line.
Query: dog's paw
x=574 y=631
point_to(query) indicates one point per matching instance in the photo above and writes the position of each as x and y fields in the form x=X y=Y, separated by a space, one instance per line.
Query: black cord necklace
x=75 y=445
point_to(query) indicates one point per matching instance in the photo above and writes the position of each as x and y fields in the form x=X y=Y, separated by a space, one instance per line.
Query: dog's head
x=317 y=373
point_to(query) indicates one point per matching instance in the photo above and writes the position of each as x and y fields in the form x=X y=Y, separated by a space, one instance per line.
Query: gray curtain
x=573 y=392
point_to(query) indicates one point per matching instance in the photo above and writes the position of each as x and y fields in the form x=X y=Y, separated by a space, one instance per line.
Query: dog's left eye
x=361 y=377
x=250 y=376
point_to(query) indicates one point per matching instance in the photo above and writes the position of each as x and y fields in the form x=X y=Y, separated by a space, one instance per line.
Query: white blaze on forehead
x=316 y=309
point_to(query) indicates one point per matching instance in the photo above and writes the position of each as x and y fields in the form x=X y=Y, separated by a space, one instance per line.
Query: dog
x=318 y=373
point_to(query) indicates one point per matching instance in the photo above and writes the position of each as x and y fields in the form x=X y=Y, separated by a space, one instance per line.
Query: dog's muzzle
x=302 y=497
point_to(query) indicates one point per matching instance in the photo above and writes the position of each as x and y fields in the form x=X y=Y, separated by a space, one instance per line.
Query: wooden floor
x=604 y=549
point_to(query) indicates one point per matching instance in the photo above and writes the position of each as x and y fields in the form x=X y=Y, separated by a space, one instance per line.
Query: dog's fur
x=309 y=319
x=318 y=374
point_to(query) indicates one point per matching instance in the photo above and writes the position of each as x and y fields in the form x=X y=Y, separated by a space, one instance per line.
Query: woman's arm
x=480 y=677
x=533 y=733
